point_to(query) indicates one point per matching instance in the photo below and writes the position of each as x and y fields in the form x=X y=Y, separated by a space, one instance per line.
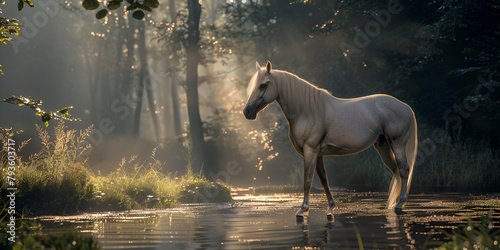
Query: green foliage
x=90 y=4
x=57 y=181
x=136 y=185
x=30 y=236
x=21 y=3
x=469 y=236
x=8 y=27
x=142 y=185
x=147 y=5
x=62 y=114
x=101 y=14
x=138 y=14
x=113 y=5
x=69 y=240
x=201 y=190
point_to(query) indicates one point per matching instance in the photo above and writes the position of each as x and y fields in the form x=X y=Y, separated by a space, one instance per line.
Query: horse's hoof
x=299 y=219
x=302 y=213
x=329 y=217
x=399 y=211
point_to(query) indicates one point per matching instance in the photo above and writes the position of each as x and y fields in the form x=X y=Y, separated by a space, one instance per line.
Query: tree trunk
x=123 y=126
x=145 y=78
x=193 y=58
x=174 y=82
x=176 y=107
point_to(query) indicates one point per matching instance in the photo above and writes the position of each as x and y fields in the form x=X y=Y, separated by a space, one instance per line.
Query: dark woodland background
x=152 y=83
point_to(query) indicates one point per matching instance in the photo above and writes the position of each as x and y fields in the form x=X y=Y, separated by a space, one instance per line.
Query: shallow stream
x=268 y=222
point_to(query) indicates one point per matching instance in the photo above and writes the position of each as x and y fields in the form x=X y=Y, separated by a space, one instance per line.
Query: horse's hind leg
x=321 y=171
x=383 y=147
x=385 y=151
x=399 y=149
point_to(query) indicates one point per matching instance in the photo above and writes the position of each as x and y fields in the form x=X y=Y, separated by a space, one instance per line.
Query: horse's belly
x=330 y=149
x=346 y=146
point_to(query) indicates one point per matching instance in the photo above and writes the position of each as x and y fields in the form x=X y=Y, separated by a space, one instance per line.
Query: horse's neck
x=287 y=111
x=295 y=103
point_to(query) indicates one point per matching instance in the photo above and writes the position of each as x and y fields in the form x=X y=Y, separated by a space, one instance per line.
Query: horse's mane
x=299 y=95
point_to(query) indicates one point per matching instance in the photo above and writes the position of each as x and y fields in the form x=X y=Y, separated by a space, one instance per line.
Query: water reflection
x=322 y=233
x=263 y=223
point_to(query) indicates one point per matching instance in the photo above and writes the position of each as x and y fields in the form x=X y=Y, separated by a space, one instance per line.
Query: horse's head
x=261 y=91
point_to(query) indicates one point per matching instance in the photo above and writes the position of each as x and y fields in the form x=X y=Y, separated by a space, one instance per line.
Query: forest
x=119 y=105
x=172 y=75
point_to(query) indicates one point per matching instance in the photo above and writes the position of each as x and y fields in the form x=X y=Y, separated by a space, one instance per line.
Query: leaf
x=101 y=14
x=132 y=6
x=29 y=3
x=90 y=4
x=145 y=7
x=63 y=111
x=20 y=5
x=151 y=3
x=138 y=14
x=113 y=5
x=46 y=118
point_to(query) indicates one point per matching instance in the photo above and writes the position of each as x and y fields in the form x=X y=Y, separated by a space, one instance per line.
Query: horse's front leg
x=320 y=169
x=310 y=157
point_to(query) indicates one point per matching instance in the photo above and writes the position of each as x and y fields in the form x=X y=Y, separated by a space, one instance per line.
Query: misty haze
x=163 y=124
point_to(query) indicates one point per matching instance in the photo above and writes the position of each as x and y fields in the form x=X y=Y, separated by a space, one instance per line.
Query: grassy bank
x=57 y=180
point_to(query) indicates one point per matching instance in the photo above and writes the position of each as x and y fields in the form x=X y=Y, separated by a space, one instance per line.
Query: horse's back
x=353 y=125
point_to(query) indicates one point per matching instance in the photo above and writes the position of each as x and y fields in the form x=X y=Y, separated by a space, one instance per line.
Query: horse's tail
x=411 y=151
x=411 y=156
x=394 y=190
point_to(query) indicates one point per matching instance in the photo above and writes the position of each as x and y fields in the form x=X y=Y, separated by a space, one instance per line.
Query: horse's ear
x=268 y=67
x=257 y=65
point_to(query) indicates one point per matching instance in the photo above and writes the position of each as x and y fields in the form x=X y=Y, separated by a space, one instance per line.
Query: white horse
x=321 y=124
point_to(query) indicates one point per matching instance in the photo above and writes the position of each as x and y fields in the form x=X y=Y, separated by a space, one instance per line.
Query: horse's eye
x=262 y=86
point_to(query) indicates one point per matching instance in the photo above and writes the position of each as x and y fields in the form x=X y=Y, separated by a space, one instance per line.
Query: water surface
x=268 y=222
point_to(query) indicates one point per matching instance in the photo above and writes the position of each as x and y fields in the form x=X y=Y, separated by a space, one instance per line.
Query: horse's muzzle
x=249 y=114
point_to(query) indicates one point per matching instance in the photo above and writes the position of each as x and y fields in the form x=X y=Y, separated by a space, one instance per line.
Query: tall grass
x=460 y=163
x=56 y=180
x=53 y=180
x=136 y=185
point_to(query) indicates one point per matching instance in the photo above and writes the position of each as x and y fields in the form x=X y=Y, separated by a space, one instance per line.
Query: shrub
x=200 y=190
x=469 y=236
